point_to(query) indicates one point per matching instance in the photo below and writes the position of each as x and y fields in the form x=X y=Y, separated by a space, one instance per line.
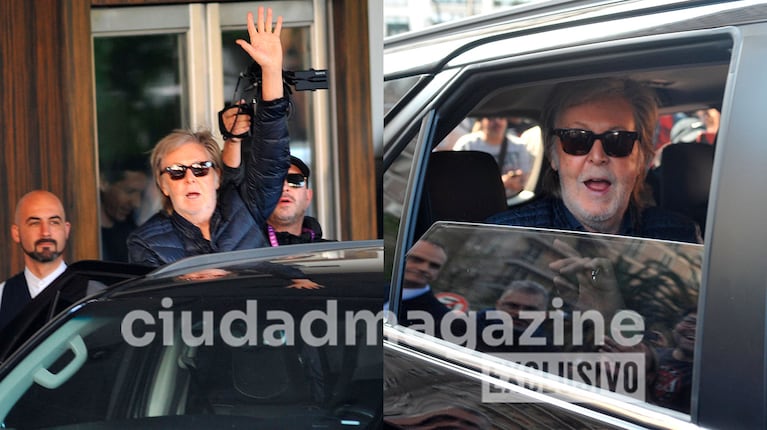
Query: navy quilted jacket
x=244 y=202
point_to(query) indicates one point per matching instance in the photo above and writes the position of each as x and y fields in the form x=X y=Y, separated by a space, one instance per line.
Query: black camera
x=302 y=80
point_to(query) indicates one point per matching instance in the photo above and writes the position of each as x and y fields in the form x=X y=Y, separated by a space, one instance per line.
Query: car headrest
x=460 y=186
x=685 y=179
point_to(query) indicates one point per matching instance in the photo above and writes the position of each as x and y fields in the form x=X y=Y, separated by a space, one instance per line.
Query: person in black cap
x=289 y=223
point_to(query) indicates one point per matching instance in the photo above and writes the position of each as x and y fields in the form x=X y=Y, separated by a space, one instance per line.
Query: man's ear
x=162 y=188
x=309 y=195
x=15 y=233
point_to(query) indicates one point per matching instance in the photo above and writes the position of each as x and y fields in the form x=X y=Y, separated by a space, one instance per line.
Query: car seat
x=460 y=186
x=684 y=179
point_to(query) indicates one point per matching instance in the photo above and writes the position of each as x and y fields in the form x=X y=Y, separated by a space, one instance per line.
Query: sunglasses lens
x=199 y=170
x=295 y=180
x=575 y=142
x=176 y=172
x=579 y=142
x=618 y=143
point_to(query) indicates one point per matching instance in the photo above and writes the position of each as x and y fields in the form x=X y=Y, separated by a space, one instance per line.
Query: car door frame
x=731 y=235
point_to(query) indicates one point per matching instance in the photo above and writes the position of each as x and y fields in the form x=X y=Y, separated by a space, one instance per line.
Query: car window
x=704 y=65
x=396 y=186
x=395 y=89
x=686 y=86
x=607 y=311
x=280 y=359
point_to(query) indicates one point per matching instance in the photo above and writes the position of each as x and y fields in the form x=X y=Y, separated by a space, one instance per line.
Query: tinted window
x=568 y=303
x=287 y=360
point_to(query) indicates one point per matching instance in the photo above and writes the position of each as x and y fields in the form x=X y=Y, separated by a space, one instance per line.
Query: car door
x=527 y=337
x=709 y=50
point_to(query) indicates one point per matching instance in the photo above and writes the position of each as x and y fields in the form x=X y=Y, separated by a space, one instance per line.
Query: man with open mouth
x=598 y=138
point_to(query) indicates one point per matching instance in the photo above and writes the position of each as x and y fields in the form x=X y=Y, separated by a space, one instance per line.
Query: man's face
x=595 y=187
x=293 y=203
x=423 y=264
x=193 y=197
x=494 y=124
x=41 y=228
x=516 y=301
x=121 y=198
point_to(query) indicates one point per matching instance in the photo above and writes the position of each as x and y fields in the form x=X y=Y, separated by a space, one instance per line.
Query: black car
x=276 y=338
x=705 y=61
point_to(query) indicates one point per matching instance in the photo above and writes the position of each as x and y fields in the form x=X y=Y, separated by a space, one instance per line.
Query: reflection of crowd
x=423 y=264
x=521 y=321
x=517 y=308
x=671 y=382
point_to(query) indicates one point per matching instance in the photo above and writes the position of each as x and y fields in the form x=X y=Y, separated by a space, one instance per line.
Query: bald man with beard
x=41 y=229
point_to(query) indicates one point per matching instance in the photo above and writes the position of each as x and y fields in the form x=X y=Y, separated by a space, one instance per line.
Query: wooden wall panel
x=349 y=29
x=46 y=118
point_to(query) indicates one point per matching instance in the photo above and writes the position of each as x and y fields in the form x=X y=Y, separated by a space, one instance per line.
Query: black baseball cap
x=301 y=166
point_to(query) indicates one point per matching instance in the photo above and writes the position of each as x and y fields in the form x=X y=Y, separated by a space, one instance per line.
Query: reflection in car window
x=394 y=90
x=565 y=302
x=234 y=363
x=395 y=181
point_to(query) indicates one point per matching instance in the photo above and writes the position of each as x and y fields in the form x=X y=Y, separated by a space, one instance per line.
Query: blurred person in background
x=510 y=152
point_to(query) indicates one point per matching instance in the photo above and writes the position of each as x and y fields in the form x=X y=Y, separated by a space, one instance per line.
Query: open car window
x=606 y=311
x=687 y=72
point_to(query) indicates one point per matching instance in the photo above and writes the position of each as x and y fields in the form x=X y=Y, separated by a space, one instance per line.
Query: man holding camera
x=288 y=224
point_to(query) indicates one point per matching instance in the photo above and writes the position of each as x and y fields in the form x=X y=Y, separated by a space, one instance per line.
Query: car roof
x=441 y=46
x=344 y=269
x=239 y=269
x=507 y=63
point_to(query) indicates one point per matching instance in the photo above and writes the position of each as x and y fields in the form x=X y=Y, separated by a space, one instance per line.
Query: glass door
x=158 y=68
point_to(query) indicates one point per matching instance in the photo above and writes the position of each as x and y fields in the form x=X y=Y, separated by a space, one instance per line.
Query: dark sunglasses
x=575 y=141
x=178 y=171
x=295 y=180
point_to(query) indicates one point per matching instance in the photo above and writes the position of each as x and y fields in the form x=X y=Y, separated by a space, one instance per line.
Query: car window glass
x=395 y=181
x=566 y=303
x=276 y=361
x=395 y=89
